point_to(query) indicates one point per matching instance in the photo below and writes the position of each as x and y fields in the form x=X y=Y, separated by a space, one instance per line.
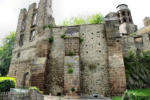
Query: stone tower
x=125 y=19
x=124 y=14
x=28 y=61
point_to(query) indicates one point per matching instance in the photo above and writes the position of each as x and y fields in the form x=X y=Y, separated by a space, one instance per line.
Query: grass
x=139 y=94
x=116 y=98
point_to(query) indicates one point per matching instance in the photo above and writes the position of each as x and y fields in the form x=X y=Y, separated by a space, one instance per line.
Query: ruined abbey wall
x=135 y=43
x=96 y=61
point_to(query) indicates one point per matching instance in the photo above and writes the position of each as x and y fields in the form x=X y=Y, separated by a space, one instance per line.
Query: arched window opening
x=32 y=35
x=34 y=17
x=21 y=40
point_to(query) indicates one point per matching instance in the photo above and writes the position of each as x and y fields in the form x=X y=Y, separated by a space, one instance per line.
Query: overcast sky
x=9 y=10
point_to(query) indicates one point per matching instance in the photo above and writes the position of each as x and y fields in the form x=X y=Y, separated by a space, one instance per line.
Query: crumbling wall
x=116 y=69
x=135 y=43
x=56 y=67
x=31 y=50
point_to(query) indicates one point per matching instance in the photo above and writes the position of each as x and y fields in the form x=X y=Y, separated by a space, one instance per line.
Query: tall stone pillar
x=44 y=16
x=116 y=68
x=71 y=63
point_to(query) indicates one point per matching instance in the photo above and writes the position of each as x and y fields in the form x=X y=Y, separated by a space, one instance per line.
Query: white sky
x=62 y=9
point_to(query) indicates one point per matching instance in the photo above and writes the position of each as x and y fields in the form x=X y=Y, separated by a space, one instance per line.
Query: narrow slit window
x=23 y=26
x=32 y=35
x=34 y=17
x=21 y=40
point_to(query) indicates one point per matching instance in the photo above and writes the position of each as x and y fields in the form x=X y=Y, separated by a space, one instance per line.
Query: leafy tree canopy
x=92 y=19
x=6 y=53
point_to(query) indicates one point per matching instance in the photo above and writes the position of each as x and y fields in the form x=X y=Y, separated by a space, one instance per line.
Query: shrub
x=70 y=70
x=70 y=53
x=35 y=88
x=6 y=83
x=50 y=26
x=51 y=39
x=81 y=40
x=137 y=69
x=63 y=36
x=45 y=26
x=73 y=89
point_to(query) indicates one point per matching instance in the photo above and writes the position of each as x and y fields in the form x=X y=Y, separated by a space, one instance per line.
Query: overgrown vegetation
x=81 y=40
x=70 y=70
x=73 y=89
x=70 y=53
x=137 y=94
x=35 y=88
x=132 y=34
x=92 y=19
x=51 y=39
x=137 y=70
x=6 y=83
x=48 y=26
x=63 y=36
x=6 y=53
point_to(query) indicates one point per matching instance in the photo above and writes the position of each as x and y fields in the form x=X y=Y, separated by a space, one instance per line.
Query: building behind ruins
x=76 y=60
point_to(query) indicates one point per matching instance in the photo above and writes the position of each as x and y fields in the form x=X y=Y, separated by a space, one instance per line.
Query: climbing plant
x=137 y=70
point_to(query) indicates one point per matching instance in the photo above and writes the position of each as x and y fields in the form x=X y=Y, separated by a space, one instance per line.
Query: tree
x=6 y=53
x=92 y=19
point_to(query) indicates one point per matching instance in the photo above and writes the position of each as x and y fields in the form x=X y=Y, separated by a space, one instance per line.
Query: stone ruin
x=96 y=63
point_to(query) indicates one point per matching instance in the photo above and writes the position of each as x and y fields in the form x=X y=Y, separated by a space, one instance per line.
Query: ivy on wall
x=137 y=70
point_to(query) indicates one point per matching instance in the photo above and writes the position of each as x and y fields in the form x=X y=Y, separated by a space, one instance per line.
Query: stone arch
x=25 y=80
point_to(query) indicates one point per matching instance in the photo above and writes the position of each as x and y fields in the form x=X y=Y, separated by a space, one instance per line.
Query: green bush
x=73 y=89
x=45 y=26
x=51 y=39
x=6 y=83
x=137 y=67
x=70 y=70
x=35 y=88
x=81 y=40
x=63 y=36
x=71 y=53
x=50 y=26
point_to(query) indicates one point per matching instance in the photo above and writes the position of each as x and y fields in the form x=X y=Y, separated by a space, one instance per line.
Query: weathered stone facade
x=76 y=60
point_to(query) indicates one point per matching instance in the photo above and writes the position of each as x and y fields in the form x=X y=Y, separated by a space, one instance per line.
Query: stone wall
x=56 y=67
x=135 y=43
x=31 y=49
x=117 y=80
x=93 y=51
x=93 y=55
